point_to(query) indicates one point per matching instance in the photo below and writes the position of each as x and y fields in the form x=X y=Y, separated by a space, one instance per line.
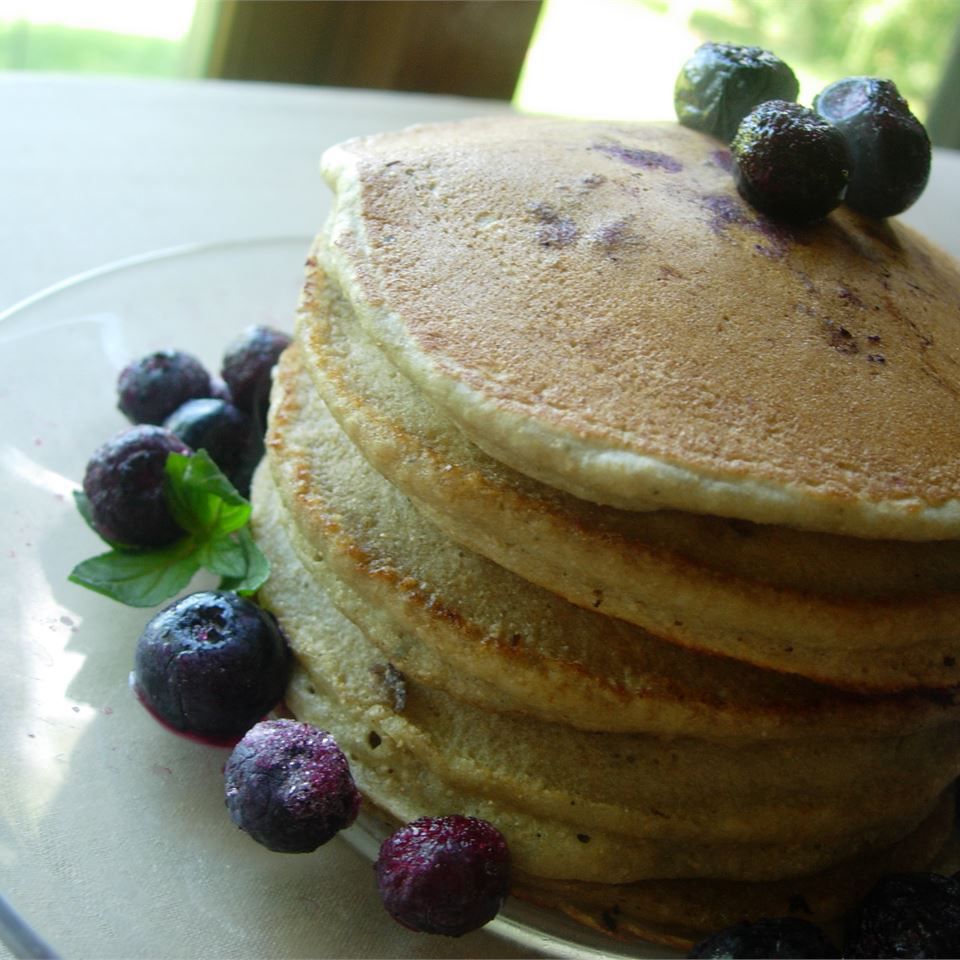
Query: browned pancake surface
x=597 y=307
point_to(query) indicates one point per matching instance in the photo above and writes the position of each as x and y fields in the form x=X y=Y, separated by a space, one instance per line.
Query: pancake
x=676 y=807
x=470 y=627
x=868 y=615
x=596 y=307
x=397 y=428
x=379 y=722
x=597 y=507
x=679 y=912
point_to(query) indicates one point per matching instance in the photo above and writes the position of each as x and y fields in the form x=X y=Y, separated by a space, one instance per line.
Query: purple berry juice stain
x=722 y=159
x=220 y=742
x=613 y=234
x=779 y=237
x=637 y=157
x=850 y=297
x=553 y=230
x=725 y=211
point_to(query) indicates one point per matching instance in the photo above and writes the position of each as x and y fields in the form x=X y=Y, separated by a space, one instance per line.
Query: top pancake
x=595 y=306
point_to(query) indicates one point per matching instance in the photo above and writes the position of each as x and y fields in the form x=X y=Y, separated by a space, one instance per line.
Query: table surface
x=96 y=171
x=102 y=170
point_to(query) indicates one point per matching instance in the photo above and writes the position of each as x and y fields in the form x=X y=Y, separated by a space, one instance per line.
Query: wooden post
x=465 y=47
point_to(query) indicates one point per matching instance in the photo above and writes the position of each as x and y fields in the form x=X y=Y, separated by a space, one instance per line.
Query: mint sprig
x=214 y=517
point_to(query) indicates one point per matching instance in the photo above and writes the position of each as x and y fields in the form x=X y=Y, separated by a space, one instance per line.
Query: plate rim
x=22 y=937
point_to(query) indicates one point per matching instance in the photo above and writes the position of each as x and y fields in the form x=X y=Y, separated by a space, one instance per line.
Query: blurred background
x=592 y=58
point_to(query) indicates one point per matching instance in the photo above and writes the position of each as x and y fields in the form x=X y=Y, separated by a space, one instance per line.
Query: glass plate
x=114 y=841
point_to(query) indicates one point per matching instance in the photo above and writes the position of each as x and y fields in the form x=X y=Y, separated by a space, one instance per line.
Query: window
x=139 y=37
x=617 y=59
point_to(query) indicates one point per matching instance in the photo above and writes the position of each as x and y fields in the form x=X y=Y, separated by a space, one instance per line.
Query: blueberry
x=220 y=391
x=722 y=82
x=289 y=786
x=908 y=915
x=247 y=367
x=211 y=664
x=124 y=487
x=767 y=937
x=446 y=875
x=224 y=431
x=151 y=388
x=889 y=148
x=790 y=162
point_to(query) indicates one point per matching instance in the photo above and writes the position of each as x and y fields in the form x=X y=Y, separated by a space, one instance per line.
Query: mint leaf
x=214 y=516
x=202 y=500
x=256 y=566
x=83 y=507
x=224 y=555
x=141 y=578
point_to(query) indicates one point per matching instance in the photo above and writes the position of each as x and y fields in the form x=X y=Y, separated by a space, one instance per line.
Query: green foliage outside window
x=30 y=46
x=907 y=41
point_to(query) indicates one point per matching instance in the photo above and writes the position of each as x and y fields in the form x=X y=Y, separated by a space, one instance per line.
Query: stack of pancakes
x=606 y=509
